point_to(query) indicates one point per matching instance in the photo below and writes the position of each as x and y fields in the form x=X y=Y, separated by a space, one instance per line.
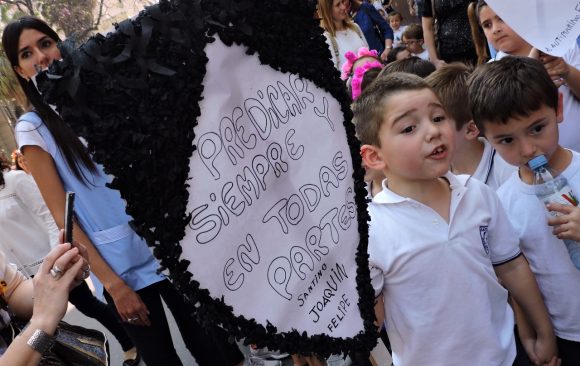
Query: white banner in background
x=551 y=26
x=274 y=229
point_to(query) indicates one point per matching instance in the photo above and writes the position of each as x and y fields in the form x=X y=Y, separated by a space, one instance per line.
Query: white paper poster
x=550 y=26
x=272 y=200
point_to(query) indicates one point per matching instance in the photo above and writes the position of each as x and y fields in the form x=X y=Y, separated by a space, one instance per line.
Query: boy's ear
x=560 y=110
x=471 y=131
x=372 y=158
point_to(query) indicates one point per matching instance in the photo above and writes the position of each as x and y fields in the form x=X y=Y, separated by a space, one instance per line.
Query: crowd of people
x=446 y=134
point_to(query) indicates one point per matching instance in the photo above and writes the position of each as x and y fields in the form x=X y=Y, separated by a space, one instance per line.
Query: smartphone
x=68 y=217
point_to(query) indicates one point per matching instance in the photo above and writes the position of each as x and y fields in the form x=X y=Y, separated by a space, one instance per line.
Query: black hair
x=70 y=146
x=508 y=88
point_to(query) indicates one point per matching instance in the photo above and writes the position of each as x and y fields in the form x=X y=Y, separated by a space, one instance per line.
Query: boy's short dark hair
x=450 y=85
x=412 y=65
x=413 y=31
x=509 y=88
x=369 y=109
x=395 y=14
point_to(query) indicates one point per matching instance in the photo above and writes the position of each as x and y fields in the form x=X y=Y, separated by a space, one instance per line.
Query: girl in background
x=487 y=26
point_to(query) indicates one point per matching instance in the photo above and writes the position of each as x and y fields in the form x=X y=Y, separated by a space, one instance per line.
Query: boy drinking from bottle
x=516 y=105
x=437 y=241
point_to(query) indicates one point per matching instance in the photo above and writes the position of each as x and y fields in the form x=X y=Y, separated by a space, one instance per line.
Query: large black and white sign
x=228 y=132
x=274 y=207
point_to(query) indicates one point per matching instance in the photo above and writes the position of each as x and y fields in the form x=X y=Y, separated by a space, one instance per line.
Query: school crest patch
x=483 y=236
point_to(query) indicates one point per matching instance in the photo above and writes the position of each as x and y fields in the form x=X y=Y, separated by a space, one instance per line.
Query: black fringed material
x=134 y=96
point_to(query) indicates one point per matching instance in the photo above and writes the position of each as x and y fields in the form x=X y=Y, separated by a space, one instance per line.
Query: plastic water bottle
x=552 y=187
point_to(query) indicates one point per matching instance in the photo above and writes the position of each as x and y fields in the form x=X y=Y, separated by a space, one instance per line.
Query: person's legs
x=84 y=300
x=154 y=343
x=208 y=346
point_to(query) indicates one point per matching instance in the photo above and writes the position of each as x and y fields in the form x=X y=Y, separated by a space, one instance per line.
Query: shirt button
x=435 y=221
x=415 y=205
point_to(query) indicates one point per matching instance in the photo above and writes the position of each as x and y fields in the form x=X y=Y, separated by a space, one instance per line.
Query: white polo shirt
x=557 y=277
x=443 y=303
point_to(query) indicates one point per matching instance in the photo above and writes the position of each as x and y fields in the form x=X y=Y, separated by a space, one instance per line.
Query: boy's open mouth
x=439 y=152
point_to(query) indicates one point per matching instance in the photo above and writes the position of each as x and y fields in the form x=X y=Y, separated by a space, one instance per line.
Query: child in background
x=412 y=38
x=517 y=106
x=564 y=71
x=357 y=66
x=395 y=19
x=473 y=154
x=437 y=241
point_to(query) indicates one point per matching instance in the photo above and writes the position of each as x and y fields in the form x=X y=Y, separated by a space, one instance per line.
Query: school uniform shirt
x=557 y=277
x=569 y=136
x=423 y=55
x=100 y=212
x=27 y=229
x=492 y=169
x=398 y=35
x=443 y=302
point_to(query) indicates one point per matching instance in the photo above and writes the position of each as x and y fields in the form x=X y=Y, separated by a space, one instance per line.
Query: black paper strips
x=134 y=94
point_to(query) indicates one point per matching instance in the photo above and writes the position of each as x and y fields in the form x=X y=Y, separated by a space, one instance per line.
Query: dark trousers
x=208 y=346
x=84 y=300
x=569 y=352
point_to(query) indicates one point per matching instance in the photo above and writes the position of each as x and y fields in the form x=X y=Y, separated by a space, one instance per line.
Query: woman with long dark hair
x=119 y=258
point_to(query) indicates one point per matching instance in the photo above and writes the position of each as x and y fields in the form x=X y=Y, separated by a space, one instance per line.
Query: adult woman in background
x=120 y=259
x=342 y=34
x=43 y=300
x=28 y=232
x=369 y=20
x=453 y=32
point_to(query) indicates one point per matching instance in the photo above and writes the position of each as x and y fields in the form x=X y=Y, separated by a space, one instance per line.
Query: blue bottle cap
x=537 y=162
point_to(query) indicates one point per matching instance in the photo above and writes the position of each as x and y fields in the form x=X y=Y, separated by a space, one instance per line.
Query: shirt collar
x=387 y=196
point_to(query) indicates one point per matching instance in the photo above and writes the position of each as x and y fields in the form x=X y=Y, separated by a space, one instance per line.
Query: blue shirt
x=100 y=211
x=366 y=17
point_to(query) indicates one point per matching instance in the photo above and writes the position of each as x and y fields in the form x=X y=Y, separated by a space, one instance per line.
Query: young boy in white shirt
x=517 y=106
x=412 y=38
x=437 y=241
x=473 y=154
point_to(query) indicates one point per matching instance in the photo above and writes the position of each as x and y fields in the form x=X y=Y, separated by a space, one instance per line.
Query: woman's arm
x=46 y=300
x=429 y=38
x=386 y=30
x=42 y=168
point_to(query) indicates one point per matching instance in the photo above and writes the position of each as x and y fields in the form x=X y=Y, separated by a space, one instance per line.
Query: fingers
x=132 y=309
x=563 y=209
x=69 y=276
x=52 y=256
x=82 y=250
